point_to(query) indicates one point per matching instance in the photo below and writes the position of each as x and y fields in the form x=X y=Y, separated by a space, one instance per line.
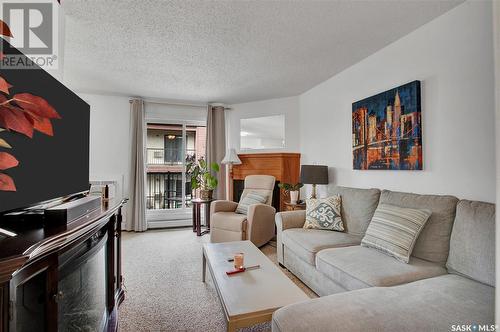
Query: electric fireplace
x=66 y=278
x=81 y=297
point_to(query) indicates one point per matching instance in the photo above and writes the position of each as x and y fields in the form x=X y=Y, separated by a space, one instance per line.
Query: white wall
x=109 y=139
x=496 y=29
x=288 y=106
x=452 y=56
x=61 y=42
x=162 y=112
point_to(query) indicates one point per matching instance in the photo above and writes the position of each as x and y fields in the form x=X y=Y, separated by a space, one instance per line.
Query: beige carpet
x=164 y=292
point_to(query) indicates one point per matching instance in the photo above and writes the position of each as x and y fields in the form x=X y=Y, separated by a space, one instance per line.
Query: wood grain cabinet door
x=4 y=307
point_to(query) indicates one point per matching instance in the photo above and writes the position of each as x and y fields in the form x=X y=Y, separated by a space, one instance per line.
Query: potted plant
x=293 y=189
x=202 y=177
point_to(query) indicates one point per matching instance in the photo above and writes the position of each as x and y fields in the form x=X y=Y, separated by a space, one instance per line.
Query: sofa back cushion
x=358 y=207
x=433 y=243
x=261 y=184
x=472 y=246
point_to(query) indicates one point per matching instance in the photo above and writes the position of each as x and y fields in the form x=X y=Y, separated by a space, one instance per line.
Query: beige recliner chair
x=257 y=225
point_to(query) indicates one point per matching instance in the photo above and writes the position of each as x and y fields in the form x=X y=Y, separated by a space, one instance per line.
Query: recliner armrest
x=260 y=220
x=260 y=211
x=223 y=206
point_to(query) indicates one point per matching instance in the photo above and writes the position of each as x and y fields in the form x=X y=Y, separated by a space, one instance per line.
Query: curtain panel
x=136 y=207
x=216 y=145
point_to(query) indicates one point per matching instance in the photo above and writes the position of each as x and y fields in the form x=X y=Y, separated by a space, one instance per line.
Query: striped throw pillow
x=394 y=230
x=250 y=199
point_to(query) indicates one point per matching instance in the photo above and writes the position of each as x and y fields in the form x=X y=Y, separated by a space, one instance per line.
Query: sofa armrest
x=223 y=206
x=287 y=220
x=290 y=219
x=260 y=219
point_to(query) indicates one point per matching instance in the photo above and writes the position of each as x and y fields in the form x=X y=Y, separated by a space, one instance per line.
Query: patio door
x=170 y=146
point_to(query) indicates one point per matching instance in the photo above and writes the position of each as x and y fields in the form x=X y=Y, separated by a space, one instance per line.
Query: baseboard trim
x=169 y=223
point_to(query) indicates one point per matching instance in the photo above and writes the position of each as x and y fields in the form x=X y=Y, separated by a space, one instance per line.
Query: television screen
x=44 y=147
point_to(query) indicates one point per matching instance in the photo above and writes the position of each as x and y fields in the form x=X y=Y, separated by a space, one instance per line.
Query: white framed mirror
x=261 y=133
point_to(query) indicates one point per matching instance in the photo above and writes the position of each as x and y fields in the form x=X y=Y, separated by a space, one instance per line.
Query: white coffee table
x=250 y=297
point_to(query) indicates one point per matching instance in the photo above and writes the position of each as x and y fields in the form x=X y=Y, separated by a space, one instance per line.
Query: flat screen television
x=48 y=167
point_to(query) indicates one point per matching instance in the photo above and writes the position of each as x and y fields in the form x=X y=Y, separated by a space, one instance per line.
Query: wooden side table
x=294 y=207
x=197 y=203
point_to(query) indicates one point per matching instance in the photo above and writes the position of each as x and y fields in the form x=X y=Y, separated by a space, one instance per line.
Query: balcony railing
x=165 y=191
x=168 y=156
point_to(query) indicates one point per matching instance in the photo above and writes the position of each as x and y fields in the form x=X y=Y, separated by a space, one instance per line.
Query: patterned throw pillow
x=324 y=213
x=394 y=230
x=250 y=199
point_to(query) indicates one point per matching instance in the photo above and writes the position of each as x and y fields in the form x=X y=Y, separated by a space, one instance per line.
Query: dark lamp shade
x=314 y=174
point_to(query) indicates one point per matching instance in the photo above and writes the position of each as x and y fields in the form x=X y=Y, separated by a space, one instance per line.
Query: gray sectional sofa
x=449 y=280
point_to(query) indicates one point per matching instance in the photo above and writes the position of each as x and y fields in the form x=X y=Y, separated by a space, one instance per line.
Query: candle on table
x=238 y=260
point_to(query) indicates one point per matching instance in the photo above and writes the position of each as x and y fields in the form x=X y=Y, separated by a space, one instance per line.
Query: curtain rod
x=173 y=104
x=155 y=101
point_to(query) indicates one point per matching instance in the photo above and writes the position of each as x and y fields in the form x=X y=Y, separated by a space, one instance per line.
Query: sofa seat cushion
x=229 y=221
x=360 y=267
x=305 y=243
x=433 y=304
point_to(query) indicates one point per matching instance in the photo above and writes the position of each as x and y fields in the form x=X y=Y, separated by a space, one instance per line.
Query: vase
x=294 y=196
x=206 y=195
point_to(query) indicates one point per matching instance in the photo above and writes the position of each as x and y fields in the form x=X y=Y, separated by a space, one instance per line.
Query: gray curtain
x=136 y=207
x=216 y=145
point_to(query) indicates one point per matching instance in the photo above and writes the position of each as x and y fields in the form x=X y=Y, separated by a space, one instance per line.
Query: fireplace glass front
x=82 y=286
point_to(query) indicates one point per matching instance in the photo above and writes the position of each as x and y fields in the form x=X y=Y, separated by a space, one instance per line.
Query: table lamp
x=314 y=174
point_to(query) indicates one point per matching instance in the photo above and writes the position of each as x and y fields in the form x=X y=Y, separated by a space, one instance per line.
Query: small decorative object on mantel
x=387 y=130
x=202 y=177
x=314 y=174
x=98 y=187
x=293 y=190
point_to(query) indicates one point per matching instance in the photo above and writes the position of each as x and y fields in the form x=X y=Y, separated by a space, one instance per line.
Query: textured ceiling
x=227 y=51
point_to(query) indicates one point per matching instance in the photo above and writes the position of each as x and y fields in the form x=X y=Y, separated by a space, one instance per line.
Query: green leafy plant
x=201 y=174
x=287 y=187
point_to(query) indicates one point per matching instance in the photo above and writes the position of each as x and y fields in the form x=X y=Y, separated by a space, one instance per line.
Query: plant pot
x=294 y=196
x=206 y=194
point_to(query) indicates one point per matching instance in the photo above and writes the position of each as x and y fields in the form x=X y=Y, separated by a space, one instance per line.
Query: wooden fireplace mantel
x=285 y=167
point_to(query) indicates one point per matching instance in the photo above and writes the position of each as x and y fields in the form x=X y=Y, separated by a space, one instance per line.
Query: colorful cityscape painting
x=387 y=130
